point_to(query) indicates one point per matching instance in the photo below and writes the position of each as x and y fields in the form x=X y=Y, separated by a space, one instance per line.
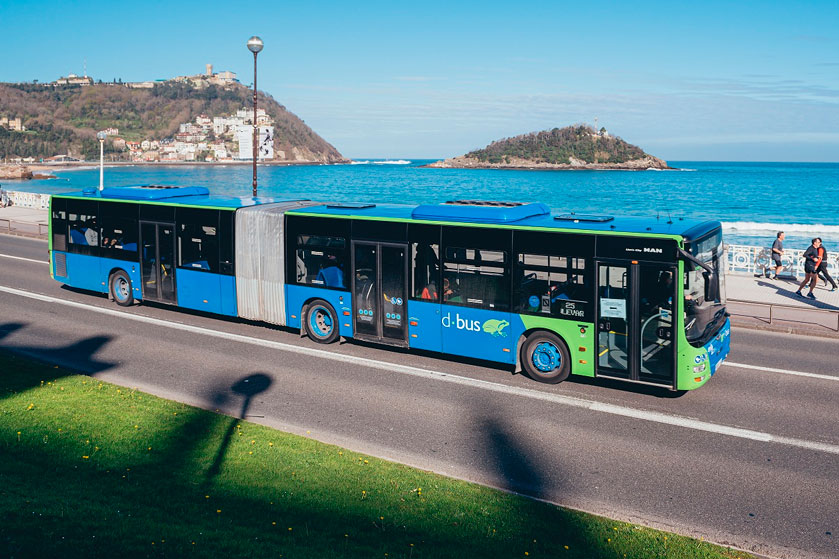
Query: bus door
x=157 y=261
x=380 y=291
x=635 y=322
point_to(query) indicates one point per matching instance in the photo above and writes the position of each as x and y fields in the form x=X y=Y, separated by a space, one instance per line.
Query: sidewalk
x=27 y=222
x=762 y=303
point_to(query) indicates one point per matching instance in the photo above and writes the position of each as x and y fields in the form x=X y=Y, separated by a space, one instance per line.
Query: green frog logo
x=496 y=327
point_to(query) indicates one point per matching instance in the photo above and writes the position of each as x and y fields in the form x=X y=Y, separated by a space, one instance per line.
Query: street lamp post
x=101 y=136
x=254 y=45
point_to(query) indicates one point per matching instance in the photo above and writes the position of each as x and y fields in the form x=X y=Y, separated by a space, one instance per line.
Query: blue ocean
x=753 y=200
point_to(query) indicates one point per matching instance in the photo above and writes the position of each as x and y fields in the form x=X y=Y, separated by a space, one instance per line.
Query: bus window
x=82 y=219
x=476 y=278
x=59 y=224
x=425 y=262
x=544 y=283
x=198 y=245
x=226 y=242
x=119 y=230
x=320 y=260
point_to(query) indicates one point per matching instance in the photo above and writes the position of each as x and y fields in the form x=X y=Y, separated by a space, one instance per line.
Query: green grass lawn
x=90 y=469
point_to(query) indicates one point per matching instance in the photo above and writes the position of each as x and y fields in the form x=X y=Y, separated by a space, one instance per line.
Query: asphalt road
x=750 y=460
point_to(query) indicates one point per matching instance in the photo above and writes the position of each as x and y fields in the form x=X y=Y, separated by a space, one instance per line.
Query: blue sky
x=755 y=81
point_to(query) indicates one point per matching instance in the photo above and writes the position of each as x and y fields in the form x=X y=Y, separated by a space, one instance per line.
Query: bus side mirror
x=710 y=286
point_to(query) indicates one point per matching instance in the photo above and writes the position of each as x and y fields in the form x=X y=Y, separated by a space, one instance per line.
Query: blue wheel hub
x=546 y=357
x=320 y=321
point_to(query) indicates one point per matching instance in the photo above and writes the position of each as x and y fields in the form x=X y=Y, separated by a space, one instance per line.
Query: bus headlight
x=699 y=368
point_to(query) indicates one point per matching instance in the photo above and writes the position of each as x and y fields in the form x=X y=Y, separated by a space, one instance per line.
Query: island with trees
x=576 y=147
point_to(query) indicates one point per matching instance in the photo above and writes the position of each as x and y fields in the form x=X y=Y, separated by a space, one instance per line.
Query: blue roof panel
x=479 y=213
x=620 y=224
x=182 y=195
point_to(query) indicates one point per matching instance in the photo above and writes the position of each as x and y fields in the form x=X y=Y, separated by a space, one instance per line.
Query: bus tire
x=545 y=358
x=120 y=287
x=321 y=322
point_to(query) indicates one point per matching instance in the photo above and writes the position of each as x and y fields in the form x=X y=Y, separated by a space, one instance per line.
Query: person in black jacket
x=811 y=264
x=822 y=270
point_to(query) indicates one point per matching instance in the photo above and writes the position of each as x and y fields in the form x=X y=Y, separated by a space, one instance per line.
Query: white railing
x=754 y=260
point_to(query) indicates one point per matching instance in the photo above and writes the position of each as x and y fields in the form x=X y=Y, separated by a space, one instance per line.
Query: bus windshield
x=704 y=316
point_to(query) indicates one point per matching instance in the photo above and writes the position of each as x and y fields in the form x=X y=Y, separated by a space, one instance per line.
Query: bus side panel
x=578 y=336
x=199 y=290
x=341 y=301
x=424 y=328
x=478 y=333
x=228 y=295
x=83 y=272
x=91 y=272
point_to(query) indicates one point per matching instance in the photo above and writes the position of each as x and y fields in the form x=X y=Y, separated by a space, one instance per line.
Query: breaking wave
x=752 y=227
x=385 y=162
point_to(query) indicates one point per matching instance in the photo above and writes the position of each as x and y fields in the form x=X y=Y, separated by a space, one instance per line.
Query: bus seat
x=77 y=237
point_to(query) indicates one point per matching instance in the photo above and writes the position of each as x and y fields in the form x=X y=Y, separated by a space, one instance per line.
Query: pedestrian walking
x=4 y=198
x=822 y=269
x=777 y=253
x=811 y=264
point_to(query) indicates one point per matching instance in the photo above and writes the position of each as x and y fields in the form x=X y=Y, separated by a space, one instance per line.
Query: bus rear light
x=346 y=313
x=582 y=349
x=414 y=323
x=582 y=330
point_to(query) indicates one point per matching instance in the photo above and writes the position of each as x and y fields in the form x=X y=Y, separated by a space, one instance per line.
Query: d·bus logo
x=493 y=326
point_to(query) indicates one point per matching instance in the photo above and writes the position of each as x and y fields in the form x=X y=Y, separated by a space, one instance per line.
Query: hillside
x=572 y=147
x=65 y=119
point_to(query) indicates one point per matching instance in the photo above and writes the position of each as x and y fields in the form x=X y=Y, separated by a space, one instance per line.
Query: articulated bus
x=635 y=299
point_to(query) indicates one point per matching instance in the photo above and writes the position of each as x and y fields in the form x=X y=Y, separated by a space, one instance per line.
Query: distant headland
x=577 y=147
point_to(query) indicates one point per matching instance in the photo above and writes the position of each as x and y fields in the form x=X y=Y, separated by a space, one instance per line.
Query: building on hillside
x=73 y=79
x=14 y=124
x=66 y=158
x=119 y=144
x=111 y=131
x=140 y=85
x=133 y=146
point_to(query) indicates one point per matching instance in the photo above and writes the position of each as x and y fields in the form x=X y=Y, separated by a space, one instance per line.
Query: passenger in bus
x=429 y=293
x=332 y=275
x=448 y=292
x=664 y=291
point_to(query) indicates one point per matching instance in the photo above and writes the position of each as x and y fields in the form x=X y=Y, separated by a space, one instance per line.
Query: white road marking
x=656 y=417
x=782 y=371
x=27 y=259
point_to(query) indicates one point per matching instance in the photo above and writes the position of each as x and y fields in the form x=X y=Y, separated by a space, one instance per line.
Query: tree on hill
x=65 y=119
x=558 y=146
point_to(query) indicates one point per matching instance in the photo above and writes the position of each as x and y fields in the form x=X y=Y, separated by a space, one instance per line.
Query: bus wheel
x=321 y=322
x=120 y=286
x=545 y=358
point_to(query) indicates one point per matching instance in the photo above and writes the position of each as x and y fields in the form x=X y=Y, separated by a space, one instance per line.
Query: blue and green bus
x=635 y=299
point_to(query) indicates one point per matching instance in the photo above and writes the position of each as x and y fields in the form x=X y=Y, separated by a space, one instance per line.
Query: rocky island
x=577 y=147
